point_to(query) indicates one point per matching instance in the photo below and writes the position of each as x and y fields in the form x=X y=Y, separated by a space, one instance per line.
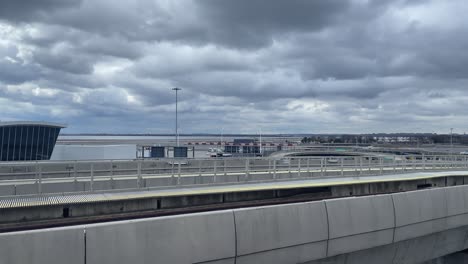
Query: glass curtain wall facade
x=27 y=142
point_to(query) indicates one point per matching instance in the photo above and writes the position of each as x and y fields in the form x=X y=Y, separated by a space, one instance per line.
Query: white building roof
x=31 y=123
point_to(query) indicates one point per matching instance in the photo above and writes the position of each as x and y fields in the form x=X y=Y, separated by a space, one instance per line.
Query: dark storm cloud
x=15 y=73
x=30 y=10
x=67 y=61
x=248 y=23
x=355 y=65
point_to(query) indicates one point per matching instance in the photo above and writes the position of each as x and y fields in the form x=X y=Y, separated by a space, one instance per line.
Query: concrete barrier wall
x=411 y=251
x=182 y=239
x=420 y=213
x=457 y=206
x=49 y=246
x=399 y=228
x=282 y=234
x=360 y=223
x=6 y=190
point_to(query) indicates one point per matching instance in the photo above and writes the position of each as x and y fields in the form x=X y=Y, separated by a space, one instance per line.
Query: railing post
x=381 y=165
x=321 y=167
x=370 y=164
x=325 y=166
x=214 y=171
x=308 y=167
x=39 y=186
x=199 y=170
x=224 y=167
x=91 y=183
x=423 y=161
x=36 y=173
x=274 y=169
x=247 y=169
x=111 y=169
x=178 y=173
x=139 y=173
x=172 y=169
x=299 y=168
x=355 y=165
x=289 y=167
x=360 y=166
x=75 y=171
x=342 y=172
x=269 y=167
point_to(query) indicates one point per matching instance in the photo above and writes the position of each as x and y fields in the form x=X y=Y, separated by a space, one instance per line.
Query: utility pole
x=176 y=121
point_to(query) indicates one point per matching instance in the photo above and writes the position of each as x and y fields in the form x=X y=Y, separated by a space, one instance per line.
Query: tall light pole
x=176 y=121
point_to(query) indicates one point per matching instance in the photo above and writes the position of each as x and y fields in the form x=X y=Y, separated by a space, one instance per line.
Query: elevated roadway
x=409 y=227
x=327 y=211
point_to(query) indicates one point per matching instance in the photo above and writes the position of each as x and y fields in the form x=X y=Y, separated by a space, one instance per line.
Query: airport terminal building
x=26 y=140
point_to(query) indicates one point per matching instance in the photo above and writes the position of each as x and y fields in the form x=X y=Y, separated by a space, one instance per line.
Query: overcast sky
x=295 y=66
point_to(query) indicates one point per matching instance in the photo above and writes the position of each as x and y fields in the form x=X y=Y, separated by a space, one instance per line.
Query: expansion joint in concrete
x=235 y=237
x=328 y=227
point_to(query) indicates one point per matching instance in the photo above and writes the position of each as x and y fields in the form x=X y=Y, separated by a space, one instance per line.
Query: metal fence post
x=325 y=167
x=75 y=171
x=321 y=167
x=370 y=164
x=381 y=165
x=299 y=167
x=36 y=173
x=423 y=162
x=214 y=171
x=224 y=167
x=360 y=166
x=178 y=173
x=308 y=167
x=172 y=168
x=39 y=186
x=355 y=166
x=247 y=169
x=139 y=178
x=341 y=165
x=274 y=169
x=111 y=169
x=199 y=167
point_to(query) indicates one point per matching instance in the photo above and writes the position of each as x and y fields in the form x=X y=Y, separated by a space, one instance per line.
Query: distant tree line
x=402 y=138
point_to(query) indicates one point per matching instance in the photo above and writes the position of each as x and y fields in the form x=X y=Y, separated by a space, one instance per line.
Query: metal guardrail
x=295 y=167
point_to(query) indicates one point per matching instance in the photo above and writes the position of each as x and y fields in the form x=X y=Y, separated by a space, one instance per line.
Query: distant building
x=26 y=140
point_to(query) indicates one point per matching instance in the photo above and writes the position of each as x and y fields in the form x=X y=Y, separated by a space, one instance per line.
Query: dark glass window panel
x=27 y=142
x=34 y=134
x=8 y=143
x=2 y=143
x=11 y=151
x=27 y=154
x=54 y=135
x=24 y=143
x=18 y=142
x=40 y=143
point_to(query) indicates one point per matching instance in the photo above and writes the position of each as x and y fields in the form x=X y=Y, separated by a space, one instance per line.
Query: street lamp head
x=176 y=89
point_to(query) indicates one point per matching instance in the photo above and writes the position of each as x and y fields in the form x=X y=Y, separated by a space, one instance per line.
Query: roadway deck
x=110 y=196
